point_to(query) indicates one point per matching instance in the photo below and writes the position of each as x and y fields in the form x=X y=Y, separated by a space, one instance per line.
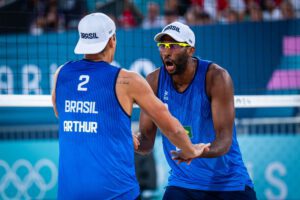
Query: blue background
x=249 y=51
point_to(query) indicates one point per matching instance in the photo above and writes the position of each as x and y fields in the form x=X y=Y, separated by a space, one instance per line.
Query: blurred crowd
x=60 y=15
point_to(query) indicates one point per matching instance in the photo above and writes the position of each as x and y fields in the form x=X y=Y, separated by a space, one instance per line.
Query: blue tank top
x=96 y=154
x=193 y=109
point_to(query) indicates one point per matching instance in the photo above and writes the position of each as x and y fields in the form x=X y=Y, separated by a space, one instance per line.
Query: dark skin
x=219 y=89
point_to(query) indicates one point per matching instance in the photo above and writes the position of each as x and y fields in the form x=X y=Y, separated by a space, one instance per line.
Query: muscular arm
x=141 y=93
x=219 y=88
x=147 y=127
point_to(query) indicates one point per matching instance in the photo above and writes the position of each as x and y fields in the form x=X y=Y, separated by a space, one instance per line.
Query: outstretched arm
x=148 y=129
x=142 y=94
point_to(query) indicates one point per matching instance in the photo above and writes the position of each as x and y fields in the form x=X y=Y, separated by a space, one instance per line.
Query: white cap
x=94 y=32
x=179 y=32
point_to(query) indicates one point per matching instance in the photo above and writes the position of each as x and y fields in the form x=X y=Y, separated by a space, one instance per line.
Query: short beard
x=180 y=65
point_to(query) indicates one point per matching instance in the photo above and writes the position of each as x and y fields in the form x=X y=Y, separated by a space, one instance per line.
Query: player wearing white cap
x=93 y=101
x=199 y=94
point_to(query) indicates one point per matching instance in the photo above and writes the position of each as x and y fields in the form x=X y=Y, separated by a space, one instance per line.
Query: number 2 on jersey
x=85 y=79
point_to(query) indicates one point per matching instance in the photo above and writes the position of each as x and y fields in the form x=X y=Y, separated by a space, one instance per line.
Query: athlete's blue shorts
x=173 y=192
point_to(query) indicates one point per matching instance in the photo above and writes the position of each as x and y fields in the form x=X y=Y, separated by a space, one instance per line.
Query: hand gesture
x=199 y=150
x=136 y=141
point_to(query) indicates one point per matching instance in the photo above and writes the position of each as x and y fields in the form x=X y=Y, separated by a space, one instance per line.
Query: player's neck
x=98 y=57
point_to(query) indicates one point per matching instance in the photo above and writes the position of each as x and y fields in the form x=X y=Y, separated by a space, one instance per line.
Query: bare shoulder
x=152 y=79
x=153 y=76
x=216 y=74
x=217 y=77
x=58 y=70
x=53 y=93
x=55 y=78
x=127 y=85
x=126 y=77
x=131 y=82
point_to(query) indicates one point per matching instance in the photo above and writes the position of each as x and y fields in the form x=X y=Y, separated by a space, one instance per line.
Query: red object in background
x=278 y=2
x=222 y=5
x=127 y=19
x=198 y=3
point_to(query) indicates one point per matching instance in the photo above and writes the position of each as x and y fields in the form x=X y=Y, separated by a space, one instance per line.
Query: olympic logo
x=24 y=183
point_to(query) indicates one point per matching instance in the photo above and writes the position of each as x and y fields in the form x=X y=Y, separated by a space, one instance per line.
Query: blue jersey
x=193 y=109
x=96 y=154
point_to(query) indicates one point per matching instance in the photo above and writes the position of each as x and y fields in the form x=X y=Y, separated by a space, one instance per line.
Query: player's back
x=95 y=141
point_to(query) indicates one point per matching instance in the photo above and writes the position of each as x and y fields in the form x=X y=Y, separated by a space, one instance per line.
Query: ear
x=112 y=41
x=191 y=51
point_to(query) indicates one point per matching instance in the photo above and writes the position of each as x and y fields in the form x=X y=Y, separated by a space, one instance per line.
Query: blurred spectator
x=192 y=15
x=53 y=15
x=47 y=18
x=171 y=16
x=153 y=18
x=178 y=6
x=125 y=12
x=211 y=8
x=215 y=8
x=72 y=12
x=205 y=18
x=130 y=16
x=229 y=16
x=296 y=6
x=255 y=12
x=15 y=16
x=278 y=2
x=271 y=12
x=197 y=3
x=196 y=15
x=287 y=10
x=239 y=7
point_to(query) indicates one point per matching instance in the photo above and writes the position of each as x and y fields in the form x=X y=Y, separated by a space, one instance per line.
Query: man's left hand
x=200 y=149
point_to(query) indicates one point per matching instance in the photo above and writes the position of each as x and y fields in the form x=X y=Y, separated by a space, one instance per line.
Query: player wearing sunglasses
x=199 y=93
x=171 y=45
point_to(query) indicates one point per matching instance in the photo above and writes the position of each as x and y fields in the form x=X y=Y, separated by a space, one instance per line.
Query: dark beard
x=180 y=65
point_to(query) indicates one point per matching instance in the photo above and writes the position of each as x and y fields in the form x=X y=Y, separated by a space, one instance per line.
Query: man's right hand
x=136 y=141
x=199 y=149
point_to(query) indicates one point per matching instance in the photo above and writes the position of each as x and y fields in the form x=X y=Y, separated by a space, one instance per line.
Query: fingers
x=136 y=142
x=201 y=147
x=176 y=156
x=206 y=147
x=136 y=145
x=179 y=160
x=175 y=153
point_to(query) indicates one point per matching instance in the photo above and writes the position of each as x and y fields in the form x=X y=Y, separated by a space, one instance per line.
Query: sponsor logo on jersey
x=188 y=130
x=166 y=98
